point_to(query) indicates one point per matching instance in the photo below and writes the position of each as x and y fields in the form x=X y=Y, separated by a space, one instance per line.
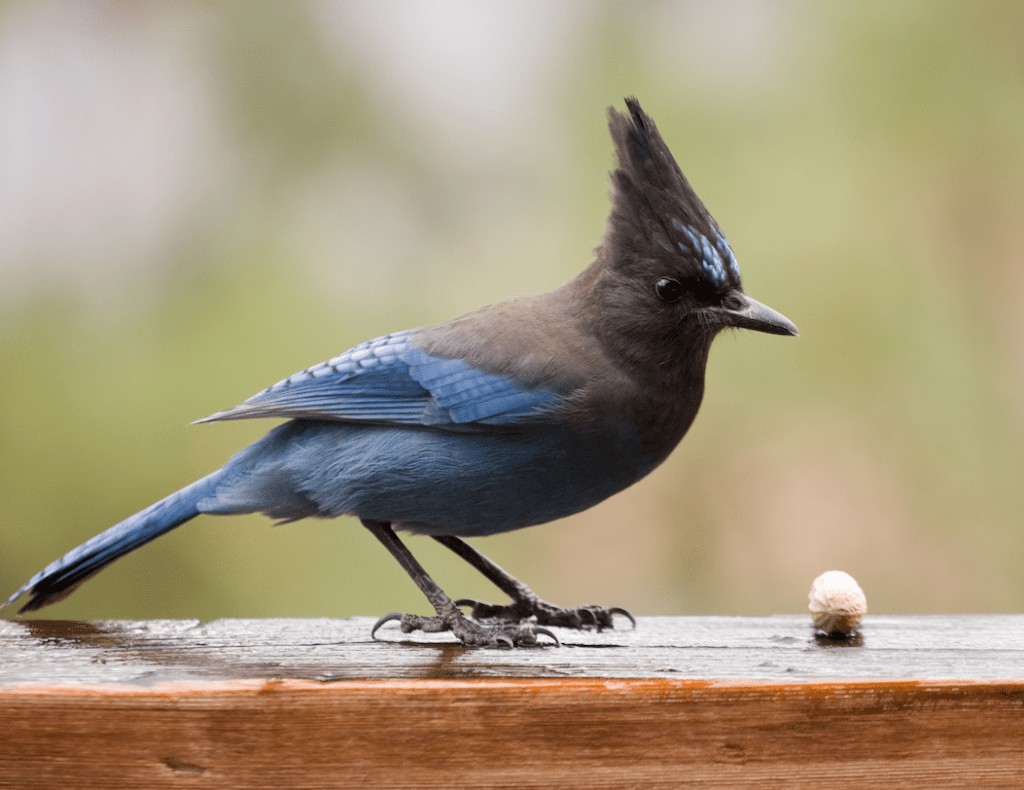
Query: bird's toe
x=469 y=632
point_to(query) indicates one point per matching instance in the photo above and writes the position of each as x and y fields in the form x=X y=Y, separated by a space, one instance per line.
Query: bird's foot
x=470 y=633
x=581 y=618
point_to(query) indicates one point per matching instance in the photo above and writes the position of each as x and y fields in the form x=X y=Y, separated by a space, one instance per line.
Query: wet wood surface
x=685 y=701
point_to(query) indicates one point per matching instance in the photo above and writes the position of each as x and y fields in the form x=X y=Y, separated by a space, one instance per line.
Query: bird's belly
x=438 y=482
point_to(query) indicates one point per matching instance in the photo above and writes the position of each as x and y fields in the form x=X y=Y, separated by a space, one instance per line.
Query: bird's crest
x=655 y=212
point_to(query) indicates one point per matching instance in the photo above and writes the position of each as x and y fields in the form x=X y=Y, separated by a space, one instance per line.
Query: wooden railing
x=930 y=702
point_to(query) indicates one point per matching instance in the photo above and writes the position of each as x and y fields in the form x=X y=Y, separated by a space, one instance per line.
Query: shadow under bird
x=515 y=415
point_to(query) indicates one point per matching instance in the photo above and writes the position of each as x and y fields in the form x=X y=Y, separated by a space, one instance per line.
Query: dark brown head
x=667 y=280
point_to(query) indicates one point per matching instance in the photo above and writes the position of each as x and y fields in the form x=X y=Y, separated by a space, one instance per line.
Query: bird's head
x=667 y=280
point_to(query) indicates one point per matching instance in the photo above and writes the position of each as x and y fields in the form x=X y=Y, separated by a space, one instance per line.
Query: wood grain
x=311 y=703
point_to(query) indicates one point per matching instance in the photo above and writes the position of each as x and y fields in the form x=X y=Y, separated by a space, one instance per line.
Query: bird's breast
x=439 y=482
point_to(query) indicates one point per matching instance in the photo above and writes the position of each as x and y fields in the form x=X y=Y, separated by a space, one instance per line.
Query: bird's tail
x=61 y=577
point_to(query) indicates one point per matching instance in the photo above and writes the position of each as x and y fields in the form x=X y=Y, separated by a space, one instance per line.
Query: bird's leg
x=525 y=602
x=448 y=618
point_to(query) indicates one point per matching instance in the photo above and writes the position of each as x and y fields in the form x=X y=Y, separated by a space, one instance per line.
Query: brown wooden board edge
x=642 y=686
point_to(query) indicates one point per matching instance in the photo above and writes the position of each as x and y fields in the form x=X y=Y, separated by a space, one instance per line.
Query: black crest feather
x=652 y=202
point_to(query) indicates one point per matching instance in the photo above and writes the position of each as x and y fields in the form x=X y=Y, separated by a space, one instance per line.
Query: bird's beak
x=759 y=317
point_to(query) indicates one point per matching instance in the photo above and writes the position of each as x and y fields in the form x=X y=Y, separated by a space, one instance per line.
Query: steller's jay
x=517 y=414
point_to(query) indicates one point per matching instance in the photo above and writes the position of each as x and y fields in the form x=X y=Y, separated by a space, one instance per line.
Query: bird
x=515 y=415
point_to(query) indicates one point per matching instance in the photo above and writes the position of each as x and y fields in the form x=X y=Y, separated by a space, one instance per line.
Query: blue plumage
x=515 y=415
x=389 y=380
x=61 y=577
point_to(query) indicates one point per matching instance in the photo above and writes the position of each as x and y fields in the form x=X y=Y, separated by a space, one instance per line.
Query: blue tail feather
x=61 y=577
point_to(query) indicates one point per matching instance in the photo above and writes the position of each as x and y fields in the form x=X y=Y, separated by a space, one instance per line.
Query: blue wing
x=389 y=380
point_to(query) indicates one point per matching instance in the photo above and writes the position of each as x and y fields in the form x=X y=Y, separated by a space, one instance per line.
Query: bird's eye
x=668 y=290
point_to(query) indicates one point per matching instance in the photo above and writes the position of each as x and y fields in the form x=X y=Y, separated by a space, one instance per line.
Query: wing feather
x=390 y=380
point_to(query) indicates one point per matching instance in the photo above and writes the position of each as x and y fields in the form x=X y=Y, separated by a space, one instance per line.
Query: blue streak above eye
x=714 y=259
x=730 y=259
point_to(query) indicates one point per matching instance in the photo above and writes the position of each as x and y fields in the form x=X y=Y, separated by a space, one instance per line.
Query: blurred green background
x=197 y=200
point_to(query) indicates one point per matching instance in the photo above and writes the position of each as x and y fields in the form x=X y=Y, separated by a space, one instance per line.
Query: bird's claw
x=581 y=618
x=625 y=613
x=472 y=634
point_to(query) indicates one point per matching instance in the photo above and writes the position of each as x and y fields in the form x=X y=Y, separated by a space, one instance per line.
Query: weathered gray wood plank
x=781 y=648
x=911 y=702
